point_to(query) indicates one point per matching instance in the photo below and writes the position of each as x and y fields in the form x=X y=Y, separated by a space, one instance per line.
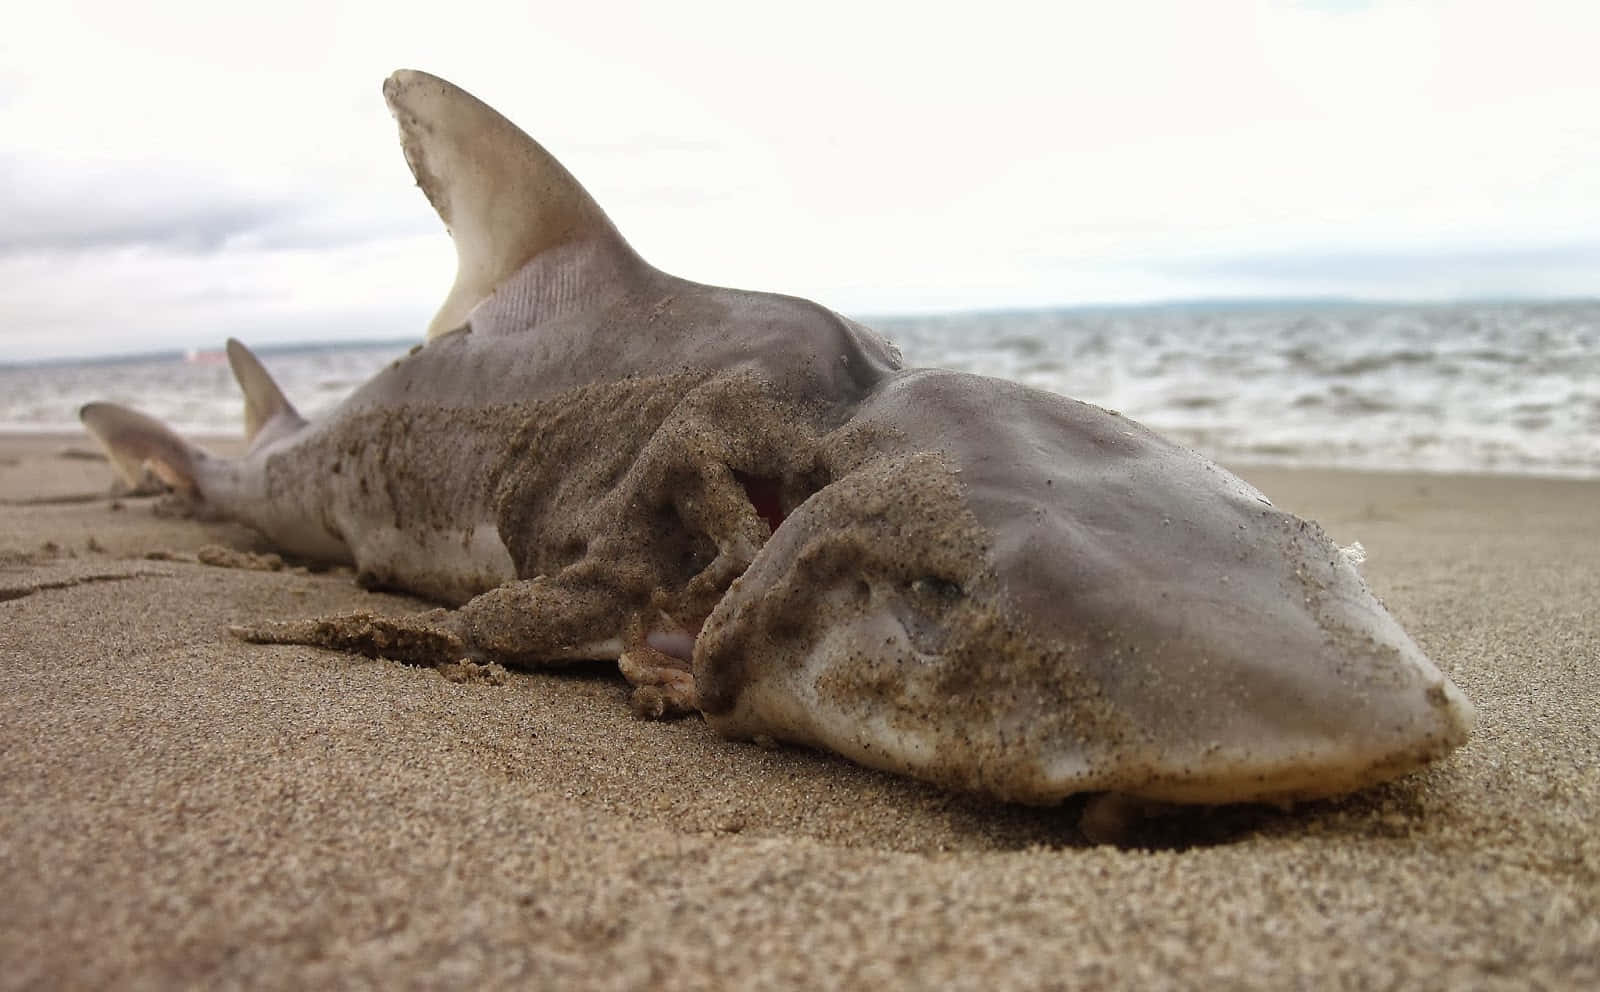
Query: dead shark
x=752 y=505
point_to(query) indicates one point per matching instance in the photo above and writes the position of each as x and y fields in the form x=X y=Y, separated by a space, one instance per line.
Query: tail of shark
x=136 y=442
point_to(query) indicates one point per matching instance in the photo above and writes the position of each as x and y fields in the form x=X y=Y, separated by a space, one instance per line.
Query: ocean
x=1511 y=388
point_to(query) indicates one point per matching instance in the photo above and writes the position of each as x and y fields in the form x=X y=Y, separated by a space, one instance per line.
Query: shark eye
x=934 y=587
x=923 y=613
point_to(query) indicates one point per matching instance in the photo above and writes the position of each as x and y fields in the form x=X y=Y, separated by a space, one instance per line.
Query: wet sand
x=178 y=807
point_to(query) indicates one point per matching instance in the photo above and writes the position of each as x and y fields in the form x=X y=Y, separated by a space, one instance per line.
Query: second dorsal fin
x=503 y=197
x=264 y=403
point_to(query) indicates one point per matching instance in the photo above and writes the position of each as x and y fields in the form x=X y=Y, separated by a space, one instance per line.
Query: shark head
x=1014 y=593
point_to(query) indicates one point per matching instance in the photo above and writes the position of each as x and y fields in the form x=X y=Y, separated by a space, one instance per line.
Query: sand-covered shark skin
x=749 y=502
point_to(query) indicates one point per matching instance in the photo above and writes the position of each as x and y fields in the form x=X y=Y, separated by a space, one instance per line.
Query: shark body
x=750 y=503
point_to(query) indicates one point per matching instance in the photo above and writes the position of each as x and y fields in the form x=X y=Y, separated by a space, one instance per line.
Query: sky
x=175 y=173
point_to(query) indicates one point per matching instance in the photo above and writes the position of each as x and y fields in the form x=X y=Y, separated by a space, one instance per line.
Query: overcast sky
x=173 y=173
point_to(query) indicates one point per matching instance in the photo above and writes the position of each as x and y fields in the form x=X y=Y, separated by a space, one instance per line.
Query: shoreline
x=232 y=443
x=177 y=807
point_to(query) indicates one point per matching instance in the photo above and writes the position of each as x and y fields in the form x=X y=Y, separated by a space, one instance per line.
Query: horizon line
x=1198 y=303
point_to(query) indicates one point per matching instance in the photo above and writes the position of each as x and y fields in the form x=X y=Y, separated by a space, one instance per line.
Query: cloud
x=60 y=208
x=211 y=170
x=1472 y=271
x=196 y=228
x=134 y=299
x=55 y=206
x=1334 y=6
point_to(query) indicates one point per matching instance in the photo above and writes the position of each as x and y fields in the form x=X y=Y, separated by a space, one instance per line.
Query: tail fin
x=266 y=409
x=133 y=441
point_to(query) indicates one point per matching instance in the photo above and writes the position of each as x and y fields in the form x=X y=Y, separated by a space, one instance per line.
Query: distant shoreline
x=180 y=354
x=67 y=443
x=1499 y=389
x=1265 y=304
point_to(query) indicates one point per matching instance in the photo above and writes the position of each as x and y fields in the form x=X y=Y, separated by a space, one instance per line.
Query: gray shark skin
x=1027 y=596
x=752 y=505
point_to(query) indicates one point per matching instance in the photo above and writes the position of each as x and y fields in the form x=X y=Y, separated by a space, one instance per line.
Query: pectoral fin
x=430 y=638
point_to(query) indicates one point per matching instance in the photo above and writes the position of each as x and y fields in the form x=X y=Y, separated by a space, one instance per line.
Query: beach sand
x=179 y=808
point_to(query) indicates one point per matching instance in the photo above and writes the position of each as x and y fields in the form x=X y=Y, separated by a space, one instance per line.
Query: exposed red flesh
x=764 y=495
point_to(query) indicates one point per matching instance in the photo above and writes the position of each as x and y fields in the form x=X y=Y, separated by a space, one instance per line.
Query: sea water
x=1506 y=388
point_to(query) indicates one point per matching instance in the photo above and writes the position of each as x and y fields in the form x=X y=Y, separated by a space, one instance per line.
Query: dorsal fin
x=502 y=196
x=264 y=402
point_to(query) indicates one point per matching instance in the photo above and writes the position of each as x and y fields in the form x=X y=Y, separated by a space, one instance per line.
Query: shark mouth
x=766 y=498
x=676 y=643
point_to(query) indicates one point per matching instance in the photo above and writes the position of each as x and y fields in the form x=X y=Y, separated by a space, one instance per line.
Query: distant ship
x=205 y=356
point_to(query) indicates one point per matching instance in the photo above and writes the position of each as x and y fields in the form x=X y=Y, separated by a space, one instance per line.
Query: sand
x=177 y=807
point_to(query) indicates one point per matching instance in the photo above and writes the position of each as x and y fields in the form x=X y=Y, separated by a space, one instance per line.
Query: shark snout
x=1239 y=651
x=1059 y=601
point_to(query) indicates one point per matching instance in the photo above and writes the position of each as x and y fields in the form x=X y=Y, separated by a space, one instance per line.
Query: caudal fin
x=134 y=441
x=267 y=412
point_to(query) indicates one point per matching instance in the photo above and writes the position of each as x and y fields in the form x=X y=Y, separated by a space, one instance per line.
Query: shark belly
x=450 y=565
x=404 y=493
